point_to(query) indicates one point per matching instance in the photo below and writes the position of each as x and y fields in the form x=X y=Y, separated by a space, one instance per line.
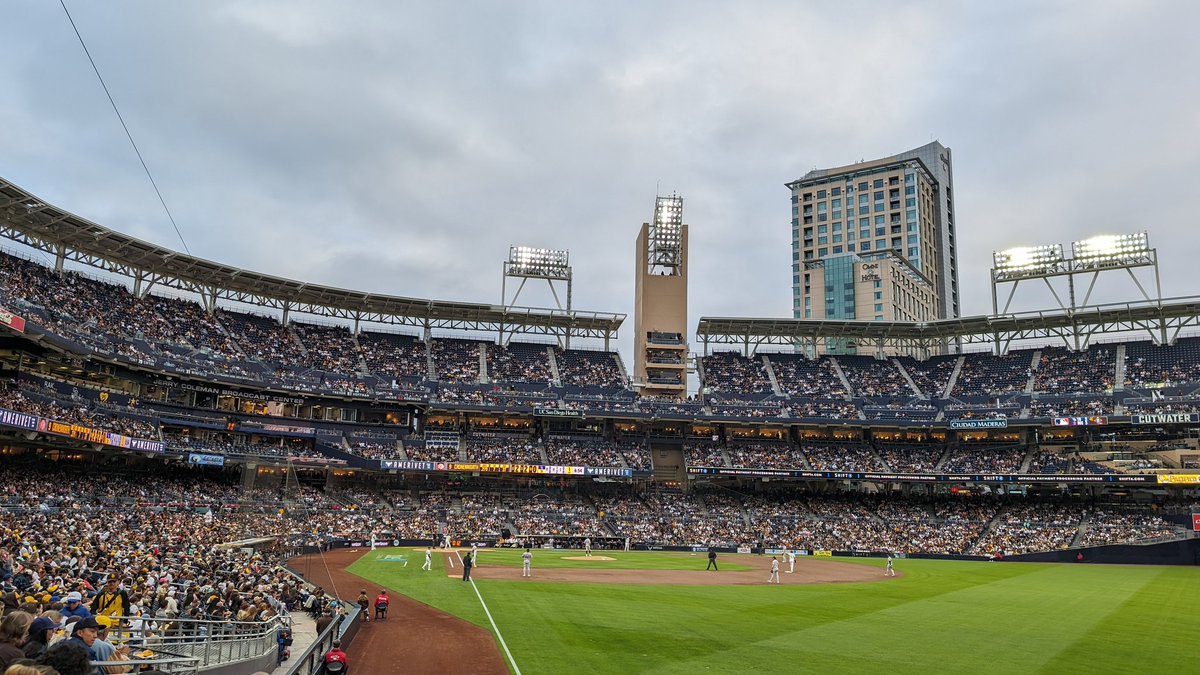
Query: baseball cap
x=41 y=624
x=89 y=622
x=103 y=621
x=74 y=596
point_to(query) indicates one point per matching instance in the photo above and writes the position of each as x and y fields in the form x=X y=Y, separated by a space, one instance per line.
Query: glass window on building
x=910 y=190
x=849 y=235
x=822 y=229
x=878 y=182
x=823 y=239
x=837 y=227
x=835 y=191
x=822 y=252
x=878 y=295
x=850 y=246
x=910 y=202
x=864 y=246
x=862 y=186
x=821 y=208
x=912 y=253
x=822 y=217
x=878 y=284
x=878 y=307
x=837 y=238
x=837 y=249
x=912 y=227
x=911 y=215
x=820 y=194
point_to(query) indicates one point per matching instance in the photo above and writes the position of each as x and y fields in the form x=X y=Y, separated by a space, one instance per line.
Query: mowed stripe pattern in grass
x=940 y=617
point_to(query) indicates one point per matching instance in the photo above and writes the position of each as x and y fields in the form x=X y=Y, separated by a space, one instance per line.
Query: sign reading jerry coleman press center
x=1167 y=418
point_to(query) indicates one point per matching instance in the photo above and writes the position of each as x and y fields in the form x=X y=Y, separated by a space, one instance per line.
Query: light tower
x=1103 y=253
x=660 y=303
x=548 y=264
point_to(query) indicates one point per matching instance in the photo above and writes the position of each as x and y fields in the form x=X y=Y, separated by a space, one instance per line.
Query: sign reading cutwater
x=1167 y=418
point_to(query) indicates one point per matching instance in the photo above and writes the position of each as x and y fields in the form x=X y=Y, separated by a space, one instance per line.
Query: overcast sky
x=402 y=147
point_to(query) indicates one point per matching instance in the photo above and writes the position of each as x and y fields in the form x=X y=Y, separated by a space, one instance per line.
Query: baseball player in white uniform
x=774 y=570
x=587 y=546
x=526 y=558
x=475 y=554
x=889 y=571
x=790 y=556
x=428 y=559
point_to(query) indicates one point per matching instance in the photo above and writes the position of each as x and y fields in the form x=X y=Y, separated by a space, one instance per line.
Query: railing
x=180 y=665
x=207 y=642
x=309 y=662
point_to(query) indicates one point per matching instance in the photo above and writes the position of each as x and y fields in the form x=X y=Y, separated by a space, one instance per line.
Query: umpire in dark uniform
x=467 y=562
x=712 y=560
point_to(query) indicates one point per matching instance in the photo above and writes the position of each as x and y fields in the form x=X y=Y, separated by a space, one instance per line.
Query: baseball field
x=663 y=613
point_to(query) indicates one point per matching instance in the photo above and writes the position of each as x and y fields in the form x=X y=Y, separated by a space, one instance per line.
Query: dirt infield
x=416 y=638
x=807 y=572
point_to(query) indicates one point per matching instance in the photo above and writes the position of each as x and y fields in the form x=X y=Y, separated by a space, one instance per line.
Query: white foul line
x=493 y=621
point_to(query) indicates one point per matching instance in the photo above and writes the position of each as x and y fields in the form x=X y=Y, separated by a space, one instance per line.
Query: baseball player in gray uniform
x=587 y=546
x=774 y=570
x=428 y=559
x=526 y=558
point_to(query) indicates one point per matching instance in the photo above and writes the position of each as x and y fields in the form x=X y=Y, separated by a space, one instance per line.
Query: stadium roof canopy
x=28 y=220
x=1161 y=321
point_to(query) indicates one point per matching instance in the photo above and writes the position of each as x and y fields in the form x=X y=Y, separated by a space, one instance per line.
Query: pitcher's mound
x=598 y=558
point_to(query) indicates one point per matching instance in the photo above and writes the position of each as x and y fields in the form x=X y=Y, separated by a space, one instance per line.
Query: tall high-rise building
x=875 y=240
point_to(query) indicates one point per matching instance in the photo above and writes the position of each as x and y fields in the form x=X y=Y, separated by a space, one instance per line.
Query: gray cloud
x=402 y=148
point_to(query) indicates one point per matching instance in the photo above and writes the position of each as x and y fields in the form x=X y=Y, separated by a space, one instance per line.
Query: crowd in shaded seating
x=518 y=362
x=456 y=360
x=912 y=458
x=578 y=451
x=1147 y=364
x=931 y=375
x=982 y=459
x=800 y=376
x=1062 y=371
x=872 y=377
x=578 y=367
x=31 y=402
x=764 y=456
x=734 y=373
x=1071 y=407
x=503 y=448
x=989 y=374
x=841 y=457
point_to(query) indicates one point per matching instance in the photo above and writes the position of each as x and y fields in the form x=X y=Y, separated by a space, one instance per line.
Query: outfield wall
x=1183 y=552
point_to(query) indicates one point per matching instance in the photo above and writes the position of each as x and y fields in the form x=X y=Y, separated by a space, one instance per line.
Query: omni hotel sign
x=1167 y=418
x=869 y=272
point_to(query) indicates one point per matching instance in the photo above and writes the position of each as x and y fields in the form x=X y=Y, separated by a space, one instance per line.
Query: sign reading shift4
x=1196 y=522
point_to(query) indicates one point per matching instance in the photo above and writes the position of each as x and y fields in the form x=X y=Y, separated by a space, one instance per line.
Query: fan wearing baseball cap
x=73 y=606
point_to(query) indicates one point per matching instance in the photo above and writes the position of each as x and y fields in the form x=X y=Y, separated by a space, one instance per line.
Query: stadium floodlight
x=543 y=263
x=1027 y=260
x=665 y=237
x=1112 y=248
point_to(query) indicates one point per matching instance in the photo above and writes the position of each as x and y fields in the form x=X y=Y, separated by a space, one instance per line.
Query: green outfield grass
x=940 y=617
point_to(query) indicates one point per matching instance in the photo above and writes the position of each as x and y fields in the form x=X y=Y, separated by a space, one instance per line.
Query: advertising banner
x=1167 y=418
x=1001 y=423
x=11 y=320
x=12 y=418
x=205 y=460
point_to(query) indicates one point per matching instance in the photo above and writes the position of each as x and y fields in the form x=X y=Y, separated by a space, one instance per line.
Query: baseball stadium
x=234 y=470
